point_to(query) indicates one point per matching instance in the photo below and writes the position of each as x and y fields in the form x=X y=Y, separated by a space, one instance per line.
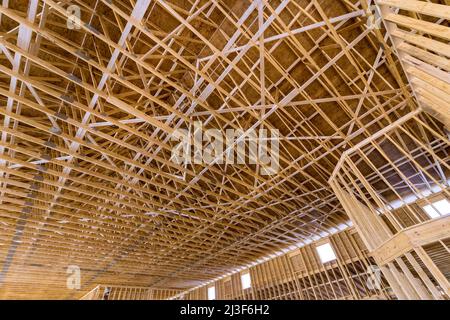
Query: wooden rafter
x=88 y=113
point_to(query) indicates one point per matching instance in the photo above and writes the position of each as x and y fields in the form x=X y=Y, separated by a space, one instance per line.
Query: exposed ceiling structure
x=89 y=109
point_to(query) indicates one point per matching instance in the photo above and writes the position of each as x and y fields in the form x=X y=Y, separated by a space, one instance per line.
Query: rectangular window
x=246 y=281
x=326 y=253
x=437 y=209
x=212 y=293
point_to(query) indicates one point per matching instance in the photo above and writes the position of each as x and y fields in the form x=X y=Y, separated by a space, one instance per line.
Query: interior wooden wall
x=300 y=275
x=112 y=292
x=410 y=248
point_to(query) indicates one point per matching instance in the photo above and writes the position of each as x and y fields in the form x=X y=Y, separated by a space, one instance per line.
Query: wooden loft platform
x=92 y=94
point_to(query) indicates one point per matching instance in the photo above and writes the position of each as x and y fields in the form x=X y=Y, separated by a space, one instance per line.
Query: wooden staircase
x=420 y=34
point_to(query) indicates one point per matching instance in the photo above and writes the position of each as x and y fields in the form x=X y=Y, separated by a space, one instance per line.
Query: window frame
x=323 y=253
x=213 y=287
x=432 y=211
x=245 y=274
